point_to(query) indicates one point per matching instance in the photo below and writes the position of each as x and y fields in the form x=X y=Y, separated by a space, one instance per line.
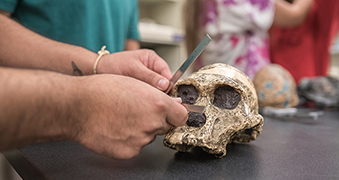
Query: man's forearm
x=22 y=48
x=35 y=107
x=131 y=44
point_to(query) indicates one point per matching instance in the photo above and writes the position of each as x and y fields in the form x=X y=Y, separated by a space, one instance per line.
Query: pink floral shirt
x=239 y=32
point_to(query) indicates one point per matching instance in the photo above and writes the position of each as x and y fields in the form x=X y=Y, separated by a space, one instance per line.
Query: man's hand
x=119 y=115
x=144 y=65
x=38 y=52
x=110 y=114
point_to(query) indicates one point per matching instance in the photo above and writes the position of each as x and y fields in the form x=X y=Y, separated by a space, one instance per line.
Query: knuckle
x=143 y=142
x=182 y=121
x=127 y=154
x=133 y=153
x=146 y=141
x=160 y=106
x=147 y=53
x=150 y=77
x=150 y=51
x=152 y=126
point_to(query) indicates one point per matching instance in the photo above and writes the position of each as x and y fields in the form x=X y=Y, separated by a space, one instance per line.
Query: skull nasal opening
x=196 y=119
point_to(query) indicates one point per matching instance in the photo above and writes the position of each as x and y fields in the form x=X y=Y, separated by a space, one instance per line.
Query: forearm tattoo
x=76 y=70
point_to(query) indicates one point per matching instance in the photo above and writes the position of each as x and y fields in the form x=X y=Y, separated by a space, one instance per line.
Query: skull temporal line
x=231 y=113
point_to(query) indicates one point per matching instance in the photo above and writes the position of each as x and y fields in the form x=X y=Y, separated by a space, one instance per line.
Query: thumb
x=177 y=99
x=154 y=79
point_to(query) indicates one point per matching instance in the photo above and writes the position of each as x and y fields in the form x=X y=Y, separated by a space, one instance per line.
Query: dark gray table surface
x=295 y=149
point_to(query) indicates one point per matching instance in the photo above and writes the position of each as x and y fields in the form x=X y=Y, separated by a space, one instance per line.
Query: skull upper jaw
x=183 y=141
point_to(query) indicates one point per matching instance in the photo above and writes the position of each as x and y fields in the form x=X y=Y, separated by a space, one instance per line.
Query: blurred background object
x=161 y=29
x=334 y=52
x=322 y=92
x=275 y=87
x=305 y=50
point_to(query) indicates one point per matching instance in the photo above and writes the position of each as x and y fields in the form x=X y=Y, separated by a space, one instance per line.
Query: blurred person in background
x=239 y=29
x=304 y=50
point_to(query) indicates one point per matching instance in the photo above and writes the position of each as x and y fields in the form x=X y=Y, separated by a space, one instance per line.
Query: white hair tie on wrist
x=101 y=53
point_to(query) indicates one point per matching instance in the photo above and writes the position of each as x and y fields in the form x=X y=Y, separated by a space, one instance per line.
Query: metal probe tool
x=191 y=58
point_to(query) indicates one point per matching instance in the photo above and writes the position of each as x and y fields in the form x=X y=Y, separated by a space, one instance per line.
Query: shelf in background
x=154 y=42
x=160 y=34
x=161 y=30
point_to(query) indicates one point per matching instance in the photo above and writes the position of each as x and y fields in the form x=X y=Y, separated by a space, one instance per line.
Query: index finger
x=155 y=63
x=177 y=114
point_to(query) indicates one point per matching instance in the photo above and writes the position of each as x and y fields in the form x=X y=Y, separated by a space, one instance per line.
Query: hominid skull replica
x=231 y=113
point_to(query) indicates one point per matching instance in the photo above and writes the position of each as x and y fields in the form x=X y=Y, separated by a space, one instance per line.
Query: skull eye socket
x=188 y=94
x=226 y=97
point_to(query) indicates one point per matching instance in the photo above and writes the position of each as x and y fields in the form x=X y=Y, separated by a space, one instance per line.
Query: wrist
x=64 y=102
x=80 y=106
x=67 y=102
x=84 y=61
x=88 y=62
x=73 y=108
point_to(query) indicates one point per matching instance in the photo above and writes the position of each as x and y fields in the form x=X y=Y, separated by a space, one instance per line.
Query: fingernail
x=177 y=99
x=162 y=84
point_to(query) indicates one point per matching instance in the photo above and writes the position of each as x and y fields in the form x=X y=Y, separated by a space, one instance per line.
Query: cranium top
x=231 y=112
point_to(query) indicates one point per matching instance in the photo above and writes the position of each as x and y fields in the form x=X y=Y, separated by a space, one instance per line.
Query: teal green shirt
x=87 y=23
